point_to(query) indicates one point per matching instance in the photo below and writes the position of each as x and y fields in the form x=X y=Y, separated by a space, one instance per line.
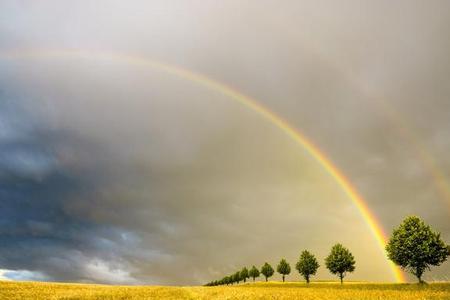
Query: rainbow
x=400 y=123
x=423 y=154
x=251 y=104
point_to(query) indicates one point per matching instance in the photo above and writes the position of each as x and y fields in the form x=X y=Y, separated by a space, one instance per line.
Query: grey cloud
x=122 y=174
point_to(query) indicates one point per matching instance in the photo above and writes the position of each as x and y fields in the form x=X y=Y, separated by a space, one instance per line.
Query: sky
x=121 y=173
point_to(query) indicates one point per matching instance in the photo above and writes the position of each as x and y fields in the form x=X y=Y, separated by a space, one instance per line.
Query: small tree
x=414 y=246
x=254 y=272
x=307 y=265
x=237 y=277
x=244 y=274
x=283 y=268
x=340 y=261
x=267 y=270
x=225 y=280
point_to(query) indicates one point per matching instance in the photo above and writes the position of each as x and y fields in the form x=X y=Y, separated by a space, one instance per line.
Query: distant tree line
x=340 y=261
x=414 y=246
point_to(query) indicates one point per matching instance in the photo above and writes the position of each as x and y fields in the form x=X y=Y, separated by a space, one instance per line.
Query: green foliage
x=267 y=270
x=244 y=274
x=307 y=265
x=414 y=246
x=340 y=261
x=226 y=280
x=284 y=268
x=237 y=277
x=253 y=273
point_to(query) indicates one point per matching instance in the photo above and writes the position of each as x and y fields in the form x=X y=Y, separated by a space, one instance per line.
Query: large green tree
x=254 y=272
x=267 y=270
x=283 y=268
x=244 y=274
x=414 y=246
x=307 y=265
x=340 y=261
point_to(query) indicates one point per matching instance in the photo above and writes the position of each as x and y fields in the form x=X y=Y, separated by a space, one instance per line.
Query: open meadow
x=271 y=290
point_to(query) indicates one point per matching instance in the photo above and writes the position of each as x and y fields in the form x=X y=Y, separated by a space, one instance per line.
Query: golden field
x=271 y=290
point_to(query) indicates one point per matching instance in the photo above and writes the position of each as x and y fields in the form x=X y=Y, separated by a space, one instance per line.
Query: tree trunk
x=307 y=278
x=283 y=277
x=341 y=276
x=253 y=279
x=419 y=273
x=266 y=278
x=420 y=279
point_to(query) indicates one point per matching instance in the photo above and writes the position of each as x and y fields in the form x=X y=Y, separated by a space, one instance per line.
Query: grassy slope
x=271 y=290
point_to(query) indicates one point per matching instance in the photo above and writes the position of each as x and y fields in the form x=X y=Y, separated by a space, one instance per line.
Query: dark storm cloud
x=120 y=174
x=34 y=189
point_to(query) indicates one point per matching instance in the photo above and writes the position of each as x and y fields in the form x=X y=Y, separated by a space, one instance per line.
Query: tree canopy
x=254 y=273
x=267 y=270
x=237 y=277
x=340 y=261
x=244 y=274
x=284 y=268
x=307 y=265
x=414 y=246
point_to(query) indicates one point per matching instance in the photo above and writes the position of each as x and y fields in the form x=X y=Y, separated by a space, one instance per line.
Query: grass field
x=271 y=290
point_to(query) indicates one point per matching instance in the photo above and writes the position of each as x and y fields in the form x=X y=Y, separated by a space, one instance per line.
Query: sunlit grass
x=260 y=290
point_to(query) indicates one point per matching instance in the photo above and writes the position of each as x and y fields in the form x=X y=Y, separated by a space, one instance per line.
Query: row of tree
x=414 y=246
x=339 y=262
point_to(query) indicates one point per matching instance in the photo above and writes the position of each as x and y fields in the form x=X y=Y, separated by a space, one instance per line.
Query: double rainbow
x=251 y=104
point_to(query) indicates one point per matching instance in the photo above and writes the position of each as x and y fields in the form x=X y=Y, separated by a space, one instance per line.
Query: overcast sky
x=125 y=174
